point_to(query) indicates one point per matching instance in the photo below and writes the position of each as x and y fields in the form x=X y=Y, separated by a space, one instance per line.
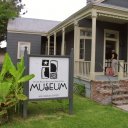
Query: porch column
x=76 y=40
x=121 y=71
x=54 y=43
x=63 y=42
x=93 y=48
x=76 y=48
x=127 y=42
x=48 y=37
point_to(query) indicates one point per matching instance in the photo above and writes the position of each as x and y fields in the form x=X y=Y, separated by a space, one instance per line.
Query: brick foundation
x=107 y=92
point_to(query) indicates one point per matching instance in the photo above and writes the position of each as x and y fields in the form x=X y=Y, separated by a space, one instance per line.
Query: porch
x=93 y=35
x=82 y=71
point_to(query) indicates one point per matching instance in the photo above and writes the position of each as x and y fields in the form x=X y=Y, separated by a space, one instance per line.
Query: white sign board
x=51 y=77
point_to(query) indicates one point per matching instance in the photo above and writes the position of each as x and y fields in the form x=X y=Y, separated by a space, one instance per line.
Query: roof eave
x=111 y=7
x=89 y=6
x=28 y=32
x=72 y=17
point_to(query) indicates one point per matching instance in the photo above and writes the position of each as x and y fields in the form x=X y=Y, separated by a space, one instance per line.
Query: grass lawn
x=87 y=114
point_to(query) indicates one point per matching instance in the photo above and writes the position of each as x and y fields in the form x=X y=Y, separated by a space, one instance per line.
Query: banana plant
x=11 y=83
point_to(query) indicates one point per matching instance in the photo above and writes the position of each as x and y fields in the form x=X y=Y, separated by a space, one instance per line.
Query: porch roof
x=103 y=10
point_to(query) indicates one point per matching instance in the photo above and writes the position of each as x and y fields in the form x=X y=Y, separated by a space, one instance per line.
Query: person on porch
x=114 y=63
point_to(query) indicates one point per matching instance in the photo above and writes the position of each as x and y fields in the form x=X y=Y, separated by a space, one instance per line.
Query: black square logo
x=49 y=69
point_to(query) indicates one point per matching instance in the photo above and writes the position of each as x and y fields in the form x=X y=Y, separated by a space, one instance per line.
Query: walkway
x=123 y=107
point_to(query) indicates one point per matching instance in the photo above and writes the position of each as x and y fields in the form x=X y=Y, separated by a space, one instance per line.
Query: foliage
x=9 y=9
x=11 y=87
x=79 y=89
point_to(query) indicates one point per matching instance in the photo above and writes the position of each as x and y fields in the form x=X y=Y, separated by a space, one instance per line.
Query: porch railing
x=125 y=70
x=82 y=69
x=122 y=67
x=108 y=63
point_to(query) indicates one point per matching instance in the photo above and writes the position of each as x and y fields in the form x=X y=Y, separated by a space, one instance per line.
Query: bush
x=79 y=89
x=11 y=84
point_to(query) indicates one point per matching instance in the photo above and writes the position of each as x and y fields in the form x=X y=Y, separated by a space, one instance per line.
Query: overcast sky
x=52 y=9
x=57 y=10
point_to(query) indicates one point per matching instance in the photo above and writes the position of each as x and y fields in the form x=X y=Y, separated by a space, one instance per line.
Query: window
x=86 y=33
x=111 y=35
x=82 y=48
x=85 y=36
x=21 y=48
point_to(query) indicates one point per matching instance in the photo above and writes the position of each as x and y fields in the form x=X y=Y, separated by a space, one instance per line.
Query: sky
x=57 y=10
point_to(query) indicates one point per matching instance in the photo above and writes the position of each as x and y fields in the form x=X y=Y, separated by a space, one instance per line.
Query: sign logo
x=49 y=69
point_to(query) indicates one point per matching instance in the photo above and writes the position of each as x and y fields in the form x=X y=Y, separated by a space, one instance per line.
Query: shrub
x=79 y=89
x=11 y=84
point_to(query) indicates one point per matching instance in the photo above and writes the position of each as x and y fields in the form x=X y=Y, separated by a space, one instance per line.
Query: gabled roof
x=31 y=25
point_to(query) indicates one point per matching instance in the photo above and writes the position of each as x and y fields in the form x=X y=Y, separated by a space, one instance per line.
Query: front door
x=110 y=45
x=111 y=42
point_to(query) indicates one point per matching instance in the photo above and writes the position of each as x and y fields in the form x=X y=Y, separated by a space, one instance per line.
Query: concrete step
x=120 y=90
x=120 y=96
x=109 y=85
x=120 y=102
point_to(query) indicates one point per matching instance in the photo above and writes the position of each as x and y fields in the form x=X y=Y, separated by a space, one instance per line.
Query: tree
x=9 y=9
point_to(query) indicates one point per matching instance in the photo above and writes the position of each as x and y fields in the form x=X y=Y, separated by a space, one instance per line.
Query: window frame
x=83 y=49
x=81 y=37
x=23 y=44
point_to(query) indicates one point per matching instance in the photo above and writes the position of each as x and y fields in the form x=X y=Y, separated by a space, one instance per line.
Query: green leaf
x=21 y=97
x=4 y=67
x=20 y=64
x=26 y=78
x=20 y=68
x=8 y=66
x=4 y=90
x=3 y=112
